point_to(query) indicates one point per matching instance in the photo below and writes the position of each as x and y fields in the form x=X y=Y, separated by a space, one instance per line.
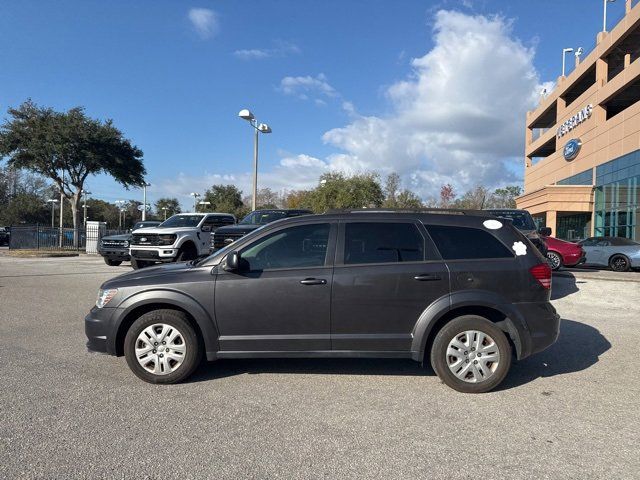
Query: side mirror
x=544 y=231
x=232 y=262
x=206 y=228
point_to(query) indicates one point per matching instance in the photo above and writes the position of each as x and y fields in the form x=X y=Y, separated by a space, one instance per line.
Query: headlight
x=105 y=296
x=166 y=239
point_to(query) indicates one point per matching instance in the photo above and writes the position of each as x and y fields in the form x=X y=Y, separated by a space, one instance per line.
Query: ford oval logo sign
x=143 y=239
x=571 y=149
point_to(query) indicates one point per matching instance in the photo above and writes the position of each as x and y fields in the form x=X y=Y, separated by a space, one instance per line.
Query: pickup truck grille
x=114 y=243
x=144 y=239
x=221 y=240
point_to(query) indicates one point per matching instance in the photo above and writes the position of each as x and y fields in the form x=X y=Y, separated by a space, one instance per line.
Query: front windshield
x=520 y=220
x=179 y=221
x=262 y=218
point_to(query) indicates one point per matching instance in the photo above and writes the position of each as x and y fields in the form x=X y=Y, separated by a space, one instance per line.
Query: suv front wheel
x=162 y=347
x=471 y=355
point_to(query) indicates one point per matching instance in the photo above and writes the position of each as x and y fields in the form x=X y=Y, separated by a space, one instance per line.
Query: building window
x=582 y=178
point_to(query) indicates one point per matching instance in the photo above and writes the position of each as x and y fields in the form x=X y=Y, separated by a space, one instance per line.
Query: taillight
x=542 y=273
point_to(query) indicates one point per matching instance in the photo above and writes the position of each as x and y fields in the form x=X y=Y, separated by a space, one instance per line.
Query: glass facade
x=617 y=197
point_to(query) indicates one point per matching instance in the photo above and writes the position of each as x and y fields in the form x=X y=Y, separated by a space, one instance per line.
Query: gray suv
x=464 y=291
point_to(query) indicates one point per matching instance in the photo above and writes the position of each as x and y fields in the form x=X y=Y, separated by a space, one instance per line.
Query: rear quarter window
x=465 y=243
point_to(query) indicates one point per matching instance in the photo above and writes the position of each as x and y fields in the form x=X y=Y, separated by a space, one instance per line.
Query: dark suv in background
x=523 y=221
x=256 y=219
x=461 y=291
x=115 y=248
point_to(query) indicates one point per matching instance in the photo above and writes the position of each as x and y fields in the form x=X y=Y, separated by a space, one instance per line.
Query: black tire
x=187 y=252
x=112 y=263
x=555 y=260
x=137 y=264
x=177 y=320
x=619 y=263
x=456 y=327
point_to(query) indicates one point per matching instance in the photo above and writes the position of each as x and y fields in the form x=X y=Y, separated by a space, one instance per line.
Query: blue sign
x=571 y=149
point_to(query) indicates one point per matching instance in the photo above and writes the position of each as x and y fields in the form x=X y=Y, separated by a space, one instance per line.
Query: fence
x=46 y=238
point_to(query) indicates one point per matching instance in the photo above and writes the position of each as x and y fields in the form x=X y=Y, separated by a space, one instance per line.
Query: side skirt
x=309 y=354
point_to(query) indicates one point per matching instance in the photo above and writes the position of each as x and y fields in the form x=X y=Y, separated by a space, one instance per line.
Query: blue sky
x=337 y=81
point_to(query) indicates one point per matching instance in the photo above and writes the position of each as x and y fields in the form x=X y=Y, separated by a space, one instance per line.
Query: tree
x=391 y=187
x=505 y=197
x=447 y=195
x=225 y=199
x=101 y=211
x=165 y=207
x=339 y=191
x=298 y=199
x=409 y=200
x=267 y=198
x=67 y=147
x=474 y=199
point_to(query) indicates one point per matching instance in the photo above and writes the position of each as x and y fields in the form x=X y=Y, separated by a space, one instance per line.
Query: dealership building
x=582 y=153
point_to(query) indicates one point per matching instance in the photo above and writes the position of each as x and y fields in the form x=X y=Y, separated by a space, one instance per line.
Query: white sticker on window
x=492 y=224
x=520 y=248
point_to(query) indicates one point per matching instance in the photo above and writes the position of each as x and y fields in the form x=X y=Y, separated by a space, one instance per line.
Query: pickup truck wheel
x=186 y=253
x=136 y=264
x=162 y=347
x=112 y=263
x=471 y=355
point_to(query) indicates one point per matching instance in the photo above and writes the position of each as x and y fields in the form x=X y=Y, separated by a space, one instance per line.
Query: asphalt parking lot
x=569 y=412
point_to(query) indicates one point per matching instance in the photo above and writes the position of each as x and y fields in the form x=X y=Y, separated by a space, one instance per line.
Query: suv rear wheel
x=471 y=355
x=162 y=347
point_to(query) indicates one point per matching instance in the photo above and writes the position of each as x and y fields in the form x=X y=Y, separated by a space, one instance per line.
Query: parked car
x=256 y=219
x=523 y=221
x=5 y=235
x=618 y=253
x=180 y=238
x=561 y=253
x=115 y=248
x=352 y=284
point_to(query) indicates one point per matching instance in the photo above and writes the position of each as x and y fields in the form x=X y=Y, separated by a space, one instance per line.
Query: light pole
x=53 y=202
x=165 y=212
x=120 y=205
x=604 y=16
x=144 y=200
x=259 y=128
x=195 y=200
x=85 y=193
x=61 y=208
x=564 y=56
x=204 y=203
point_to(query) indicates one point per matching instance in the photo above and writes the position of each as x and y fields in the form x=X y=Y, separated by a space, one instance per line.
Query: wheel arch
x=484 y=304
x=144 y=302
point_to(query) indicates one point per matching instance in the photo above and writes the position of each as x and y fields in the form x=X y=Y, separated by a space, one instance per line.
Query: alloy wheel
x=619 y=264
x=554 y=260
x=473 y=356
x=160 y=349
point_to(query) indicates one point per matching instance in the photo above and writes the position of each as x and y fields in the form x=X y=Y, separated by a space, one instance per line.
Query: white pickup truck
x=182 y=237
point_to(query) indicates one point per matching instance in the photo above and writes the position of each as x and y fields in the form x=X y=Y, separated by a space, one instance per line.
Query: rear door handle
x=427 y=277
x=313 y=281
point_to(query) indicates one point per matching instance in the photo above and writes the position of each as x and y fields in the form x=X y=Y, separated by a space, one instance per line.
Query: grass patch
x=41 y=253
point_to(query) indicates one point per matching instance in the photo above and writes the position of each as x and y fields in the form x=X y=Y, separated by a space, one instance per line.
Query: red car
x=563 y=254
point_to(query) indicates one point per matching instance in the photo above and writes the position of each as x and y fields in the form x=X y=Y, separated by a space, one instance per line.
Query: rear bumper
x=542 y=324
x=572 y=260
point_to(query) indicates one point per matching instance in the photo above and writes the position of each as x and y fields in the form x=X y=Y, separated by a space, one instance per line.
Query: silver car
x=618 y=253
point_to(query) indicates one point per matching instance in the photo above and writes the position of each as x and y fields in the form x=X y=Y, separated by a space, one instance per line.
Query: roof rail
x=457 y=211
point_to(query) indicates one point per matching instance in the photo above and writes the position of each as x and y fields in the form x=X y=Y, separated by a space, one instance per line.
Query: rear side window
x=463 y=243
x=382 y=243
x=218 y=220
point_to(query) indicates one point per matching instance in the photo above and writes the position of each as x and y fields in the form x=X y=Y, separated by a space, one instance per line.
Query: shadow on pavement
x=564 y=285
x=578 y=348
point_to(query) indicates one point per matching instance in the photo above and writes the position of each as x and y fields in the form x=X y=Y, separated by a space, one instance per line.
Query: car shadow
x=578 y=348
x=564 y=285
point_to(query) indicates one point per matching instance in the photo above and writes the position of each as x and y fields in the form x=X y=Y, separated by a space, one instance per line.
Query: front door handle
x=313 y=281
x=427 y=277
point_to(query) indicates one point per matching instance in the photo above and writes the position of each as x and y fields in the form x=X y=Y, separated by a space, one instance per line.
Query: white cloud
x=204 y=21
x=281 y=49
x=305 y=87
x=458 y=118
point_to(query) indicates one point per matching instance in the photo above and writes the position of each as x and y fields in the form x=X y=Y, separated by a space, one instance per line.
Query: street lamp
x=144 y=200
x=604 y=17
x=259 y=128
x=165 y=211
x=53 y=202
x=204 y=203
x=564 y=56
x=120 y=204
x=195 y=200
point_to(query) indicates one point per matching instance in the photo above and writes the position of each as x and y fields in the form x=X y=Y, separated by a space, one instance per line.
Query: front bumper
x=155 y=254
x=99 y=329
x=114 y=253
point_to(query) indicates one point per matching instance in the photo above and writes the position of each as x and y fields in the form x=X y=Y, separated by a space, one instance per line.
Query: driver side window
x=294 y=247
